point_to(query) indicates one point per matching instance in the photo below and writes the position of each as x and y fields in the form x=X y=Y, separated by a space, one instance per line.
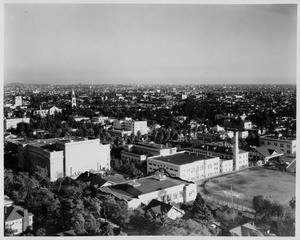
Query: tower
x=236 y=150
x=73 y=99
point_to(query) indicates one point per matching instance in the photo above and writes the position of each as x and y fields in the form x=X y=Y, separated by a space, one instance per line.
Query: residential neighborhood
x=150 y=120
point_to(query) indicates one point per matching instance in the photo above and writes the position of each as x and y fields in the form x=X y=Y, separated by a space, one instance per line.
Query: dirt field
x=276 y=185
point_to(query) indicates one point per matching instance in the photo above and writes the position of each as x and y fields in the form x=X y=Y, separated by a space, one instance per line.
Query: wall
x=56 y=165
x=82 y=156
x=226 y=165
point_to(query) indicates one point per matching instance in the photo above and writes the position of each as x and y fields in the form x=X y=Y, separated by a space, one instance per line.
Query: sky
x=150 y=44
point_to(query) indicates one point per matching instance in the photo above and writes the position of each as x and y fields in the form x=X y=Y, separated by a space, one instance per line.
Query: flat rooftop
x=182 y=158
x=152 y=145
x=278 y=138
x=41 y=142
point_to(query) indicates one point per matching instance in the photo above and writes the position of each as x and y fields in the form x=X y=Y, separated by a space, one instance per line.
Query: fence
x=238 y=204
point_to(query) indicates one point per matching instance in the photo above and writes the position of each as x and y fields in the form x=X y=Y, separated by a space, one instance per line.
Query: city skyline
x=150 y=44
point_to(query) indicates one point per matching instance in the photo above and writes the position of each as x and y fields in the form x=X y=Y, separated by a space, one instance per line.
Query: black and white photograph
x=149 y=119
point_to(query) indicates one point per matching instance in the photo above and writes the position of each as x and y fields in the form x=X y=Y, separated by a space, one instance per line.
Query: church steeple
x=73 y=99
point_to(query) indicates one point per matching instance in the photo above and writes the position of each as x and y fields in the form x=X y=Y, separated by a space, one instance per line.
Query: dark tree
x=200 y=211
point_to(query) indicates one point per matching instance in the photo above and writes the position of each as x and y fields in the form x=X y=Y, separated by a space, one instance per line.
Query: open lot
x=275 y=185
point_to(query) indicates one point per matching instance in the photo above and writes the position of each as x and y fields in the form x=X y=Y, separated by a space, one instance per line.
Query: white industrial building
x=127 y=124
x=64 y=156
x=186 y=165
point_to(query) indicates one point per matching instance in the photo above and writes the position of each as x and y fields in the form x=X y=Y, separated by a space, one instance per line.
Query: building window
x=281 y=145
x=169 y=197
x=288 y=151
x=288 y=146
x=269 y=143
x=181 y=194
x=175 y=196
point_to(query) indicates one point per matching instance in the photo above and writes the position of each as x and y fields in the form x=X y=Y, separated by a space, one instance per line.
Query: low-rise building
x=265 y=154
x=286 y=144
x=239 y=156
x=140 y=151
x=10 y=123
x=16 y=218
x=144 y=190
x=44 y=111
x=127 y=124
x=186 y=165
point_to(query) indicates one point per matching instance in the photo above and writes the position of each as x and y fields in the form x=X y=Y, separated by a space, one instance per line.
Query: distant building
x=13 y=122
x=18 y=101
x=100 y=119
x=161 y=187
x=73 y=99
x=186 y=165
x=44 y=111
x=16 y=218
x=232 y=122
x=237 y=124
x=80 y=118
x=286 y=145
x=64 y=156
x=127 y=124
x=140 y=151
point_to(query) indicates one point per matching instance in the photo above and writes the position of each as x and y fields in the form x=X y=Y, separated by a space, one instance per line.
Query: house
x=247 y=229
x=265 y=154
x=16 y=218
x=157 y=208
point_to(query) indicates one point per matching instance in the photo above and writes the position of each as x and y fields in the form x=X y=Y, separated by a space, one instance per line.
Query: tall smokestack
x=236 y=150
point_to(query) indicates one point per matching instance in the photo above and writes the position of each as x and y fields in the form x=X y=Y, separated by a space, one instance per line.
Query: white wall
x=82 y=156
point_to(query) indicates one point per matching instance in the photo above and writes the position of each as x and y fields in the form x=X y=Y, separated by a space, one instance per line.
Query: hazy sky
x=138 y=43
